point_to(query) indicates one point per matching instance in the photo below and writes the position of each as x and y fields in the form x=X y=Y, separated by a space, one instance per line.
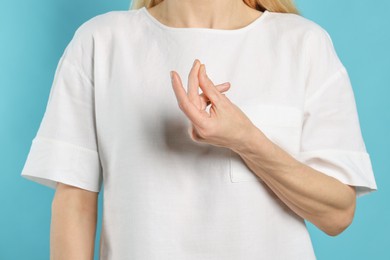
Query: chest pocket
x=281 y=124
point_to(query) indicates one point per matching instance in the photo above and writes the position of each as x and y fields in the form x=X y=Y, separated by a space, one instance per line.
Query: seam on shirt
x=322 y=87
x=338 y=151
x=78 y=101
x=52 y=180
x=65 y=143
x=80 y=71
x=306 y=56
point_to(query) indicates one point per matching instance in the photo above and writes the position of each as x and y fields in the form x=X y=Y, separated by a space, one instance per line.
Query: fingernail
x=226 y=83
x=195 y=62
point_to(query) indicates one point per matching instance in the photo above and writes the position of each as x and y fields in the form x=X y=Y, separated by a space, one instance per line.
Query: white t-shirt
x=112 y=117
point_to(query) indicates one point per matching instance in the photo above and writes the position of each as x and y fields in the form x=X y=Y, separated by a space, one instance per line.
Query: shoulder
x=295 y=22
x=312 y=41
x=298 y=27
x=302 y=36
x=109 y=21
x=101 y=29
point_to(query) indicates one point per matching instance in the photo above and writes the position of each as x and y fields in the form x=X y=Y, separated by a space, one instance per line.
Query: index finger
x=207 y=86
x=193 y=113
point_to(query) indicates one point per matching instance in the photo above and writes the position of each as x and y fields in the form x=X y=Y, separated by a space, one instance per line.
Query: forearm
x=313 y=195
x=73 y=229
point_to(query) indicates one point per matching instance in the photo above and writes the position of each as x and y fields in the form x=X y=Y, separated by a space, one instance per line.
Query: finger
x=223 y=87
x=194 y=135
x=207 y=85
x=177 y=87
x=191 y=133
x=205 y=100
x=208 y=102
x=193 y=82
x=194 y=114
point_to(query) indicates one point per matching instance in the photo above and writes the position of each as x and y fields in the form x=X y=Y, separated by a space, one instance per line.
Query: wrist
x=250 y=141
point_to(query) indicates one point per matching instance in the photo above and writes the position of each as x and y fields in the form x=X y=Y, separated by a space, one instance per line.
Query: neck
x=216 y=14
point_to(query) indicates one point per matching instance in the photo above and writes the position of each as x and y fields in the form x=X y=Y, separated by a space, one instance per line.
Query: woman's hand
x=226 y=125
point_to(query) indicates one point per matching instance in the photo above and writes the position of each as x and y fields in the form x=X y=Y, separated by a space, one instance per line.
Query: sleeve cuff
x=350 y=167
x=50 y=161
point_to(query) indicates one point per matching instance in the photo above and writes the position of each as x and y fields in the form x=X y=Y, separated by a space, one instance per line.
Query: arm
x=323 y=200
x=73 y=223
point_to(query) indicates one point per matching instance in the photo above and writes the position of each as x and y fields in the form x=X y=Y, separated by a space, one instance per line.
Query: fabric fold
x=350 y=167
x=50 y=161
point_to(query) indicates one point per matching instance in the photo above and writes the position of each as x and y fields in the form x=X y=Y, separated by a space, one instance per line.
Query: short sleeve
x=331 y=140
x=65 y=147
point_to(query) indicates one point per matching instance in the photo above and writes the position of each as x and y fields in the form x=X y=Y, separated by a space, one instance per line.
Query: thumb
x=194 y=135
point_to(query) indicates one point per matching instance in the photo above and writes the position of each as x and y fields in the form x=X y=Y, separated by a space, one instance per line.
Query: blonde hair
x=280 y=6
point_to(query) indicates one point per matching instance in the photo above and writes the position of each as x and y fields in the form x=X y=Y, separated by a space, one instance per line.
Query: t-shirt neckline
x=151 y=18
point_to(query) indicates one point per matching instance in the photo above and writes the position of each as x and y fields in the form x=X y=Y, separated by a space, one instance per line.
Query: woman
x=228 y=173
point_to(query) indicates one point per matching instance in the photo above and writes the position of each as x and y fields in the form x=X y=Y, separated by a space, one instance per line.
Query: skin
x=323 y=200
x=73 y=223
x=216 y=14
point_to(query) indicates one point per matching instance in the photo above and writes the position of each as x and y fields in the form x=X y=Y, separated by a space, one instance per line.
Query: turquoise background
x=33 y=35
